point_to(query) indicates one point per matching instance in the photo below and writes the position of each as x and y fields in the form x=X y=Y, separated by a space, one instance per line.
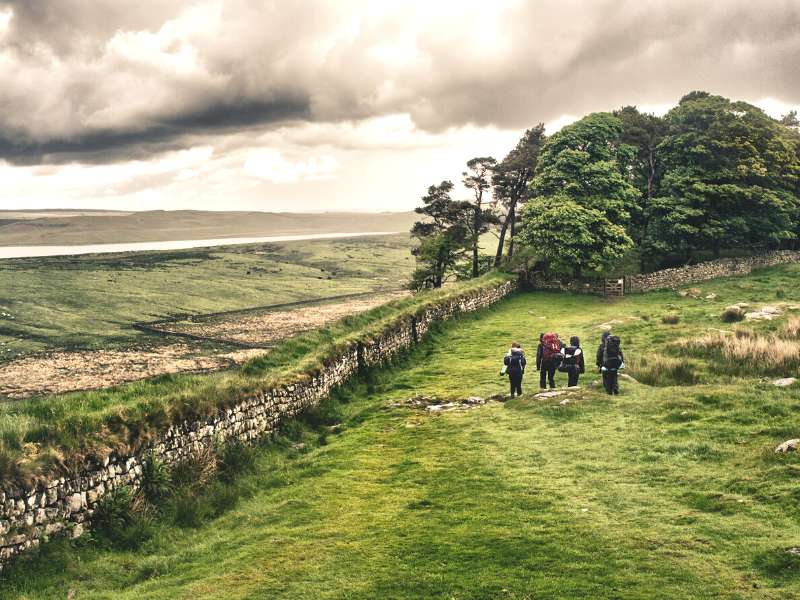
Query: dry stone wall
x=28 y=517
x=724 y=267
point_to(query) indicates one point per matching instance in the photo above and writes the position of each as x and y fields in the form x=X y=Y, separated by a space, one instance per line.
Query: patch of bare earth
x=267 y=328
x=59 y=372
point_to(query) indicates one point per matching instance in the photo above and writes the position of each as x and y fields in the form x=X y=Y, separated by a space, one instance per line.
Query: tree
x=790 y=120
x=730 y=178
x=643 y=133
x=571 y=238
x=442 y=235
x=510 y=180
x=478 y=179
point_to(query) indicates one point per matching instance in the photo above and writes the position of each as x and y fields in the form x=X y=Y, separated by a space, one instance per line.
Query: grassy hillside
x=48 y=228
x=90 y=301
x=670 y=490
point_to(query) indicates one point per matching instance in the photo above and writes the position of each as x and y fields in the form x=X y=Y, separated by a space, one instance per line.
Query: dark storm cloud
x=109 y=80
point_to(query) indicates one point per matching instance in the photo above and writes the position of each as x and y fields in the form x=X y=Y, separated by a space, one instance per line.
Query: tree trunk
x=513 y=215
x=501 y=242
x=476 y=223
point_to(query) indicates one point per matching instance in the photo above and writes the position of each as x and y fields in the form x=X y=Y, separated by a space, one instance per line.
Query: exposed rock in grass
x=691 y=293
x=788 y=446
x=550 y=394
x=432 y=404
x=766 y=313
x=711 y=296
x=628 y=378
x=784 y=381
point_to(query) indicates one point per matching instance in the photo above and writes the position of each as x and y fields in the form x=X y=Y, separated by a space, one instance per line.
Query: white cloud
x=270 y=165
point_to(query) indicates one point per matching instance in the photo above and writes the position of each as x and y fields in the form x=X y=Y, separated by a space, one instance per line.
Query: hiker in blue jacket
x=573 y=363
x=515 y=368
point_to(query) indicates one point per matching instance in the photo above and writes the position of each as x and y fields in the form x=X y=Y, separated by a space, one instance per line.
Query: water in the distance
x=34 y=251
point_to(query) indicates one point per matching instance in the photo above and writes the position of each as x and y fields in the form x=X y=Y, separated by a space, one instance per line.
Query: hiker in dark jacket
x=539 y=352
x=573 y=361
x=610 y=360
x=515 y=368
x=600 y=349
x=551 y=359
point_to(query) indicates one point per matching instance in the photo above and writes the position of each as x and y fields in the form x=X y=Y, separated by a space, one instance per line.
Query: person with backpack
x=610 y=360
x=514 y=363
x=573 y=364
x=551 y=359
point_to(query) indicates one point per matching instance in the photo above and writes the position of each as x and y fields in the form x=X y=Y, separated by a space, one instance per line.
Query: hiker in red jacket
x=551 y=359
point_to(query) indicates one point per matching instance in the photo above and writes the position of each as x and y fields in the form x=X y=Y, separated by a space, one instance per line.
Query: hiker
x=610 y=360
x=539 y=352
x=573 y=364
x=551 y=359
x=515 y=363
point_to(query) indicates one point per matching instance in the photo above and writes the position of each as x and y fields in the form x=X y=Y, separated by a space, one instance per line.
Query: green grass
x=666 y=491
x=78 y=302
x=42 y=434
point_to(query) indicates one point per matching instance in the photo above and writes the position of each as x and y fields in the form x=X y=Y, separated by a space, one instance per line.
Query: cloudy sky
x=342 y=104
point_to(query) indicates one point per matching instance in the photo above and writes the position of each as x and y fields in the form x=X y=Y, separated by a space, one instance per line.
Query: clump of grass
x=236 y=458
x=732 y=314
x=780 y=293
x=659 y=370
x=745 y=351
x=121 y=520
x=671 y=318
x=791 y=331
x=197 y=469
x=156 y=480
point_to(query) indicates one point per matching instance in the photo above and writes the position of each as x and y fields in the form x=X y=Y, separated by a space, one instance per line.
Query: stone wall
x=65 y=505
x=724 y=267
x=535 y=281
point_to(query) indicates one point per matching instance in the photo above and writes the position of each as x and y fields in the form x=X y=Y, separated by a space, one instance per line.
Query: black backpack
x=570 y=359
x=515 y=362
x=611 y=355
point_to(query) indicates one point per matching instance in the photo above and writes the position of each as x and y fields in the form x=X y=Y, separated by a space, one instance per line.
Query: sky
x=311 y=105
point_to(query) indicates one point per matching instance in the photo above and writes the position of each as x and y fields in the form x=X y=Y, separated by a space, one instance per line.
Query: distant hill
x=50 y=227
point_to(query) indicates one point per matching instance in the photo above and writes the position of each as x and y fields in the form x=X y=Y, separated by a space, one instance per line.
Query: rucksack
x=570 y=359
x=515 y=361
x=552 y=347
x=611 y=357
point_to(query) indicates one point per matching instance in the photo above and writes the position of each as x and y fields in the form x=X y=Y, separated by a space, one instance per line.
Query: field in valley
x=670 y=490
x=66 y=322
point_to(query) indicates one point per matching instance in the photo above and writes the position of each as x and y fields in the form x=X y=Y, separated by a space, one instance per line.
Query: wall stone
x=724 y=267
x=28 y=517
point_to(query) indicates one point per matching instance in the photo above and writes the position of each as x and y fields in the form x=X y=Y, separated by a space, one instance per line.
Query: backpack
x=552 y=348
x=515 y=362
x=611 y=357
x=570 y=359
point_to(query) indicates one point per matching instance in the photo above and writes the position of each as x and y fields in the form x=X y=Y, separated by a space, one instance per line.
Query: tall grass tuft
x=659 y=370
x=791 y=331
x=746 y=352
x=671 y=318
x=732 y=314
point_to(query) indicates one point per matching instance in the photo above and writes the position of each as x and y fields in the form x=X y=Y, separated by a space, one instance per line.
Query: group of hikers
x=553 y=355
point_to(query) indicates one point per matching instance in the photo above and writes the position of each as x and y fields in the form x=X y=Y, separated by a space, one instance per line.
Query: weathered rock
x=788 y=445
x=784 y=381
x=711 y=296
x=550 y=394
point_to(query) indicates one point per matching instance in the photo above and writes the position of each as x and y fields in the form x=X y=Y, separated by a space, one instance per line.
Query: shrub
x=191 y=510
x=156 y=480
x=780 y=293
x=670 y=318
x=732 y=314
x=120 y=521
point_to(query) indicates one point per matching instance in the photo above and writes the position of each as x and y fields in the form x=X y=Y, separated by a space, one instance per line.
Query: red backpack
x=551 y=345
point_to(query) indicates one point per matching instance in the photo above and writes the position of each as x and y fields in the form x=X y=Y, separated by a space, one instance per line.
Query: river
x=35 y=251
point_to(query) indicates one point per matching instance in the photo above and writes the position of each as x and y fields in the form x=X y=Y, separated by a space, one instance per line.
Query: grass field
x=22 y=228
x=82 y=302
x=666 y=491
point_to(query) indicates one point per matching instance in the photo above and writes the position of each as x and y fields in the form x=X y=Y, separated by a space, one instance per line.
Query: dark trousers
x=516 y=383
x=547 y=374
x=572 y=376
x=611 y=381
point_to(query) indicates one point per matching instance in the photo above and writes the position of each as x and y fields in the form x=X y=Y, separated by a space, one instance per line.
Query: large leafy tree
x=571 y=238
x=443 y=234
x=730 y=179
x=587 y=162
x=643 y=132
x=510 y=179
x=478 y=179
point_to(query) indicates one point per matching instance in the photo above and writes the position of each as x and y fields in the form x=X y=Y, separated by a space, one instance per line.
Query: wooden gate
x=614 y=287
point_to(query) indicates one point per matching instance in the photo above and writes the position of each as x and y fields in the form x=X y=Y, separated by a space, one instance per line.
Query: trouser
x=572 y=376
x=516 y=383
x=547 y=374
x=611 y=381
